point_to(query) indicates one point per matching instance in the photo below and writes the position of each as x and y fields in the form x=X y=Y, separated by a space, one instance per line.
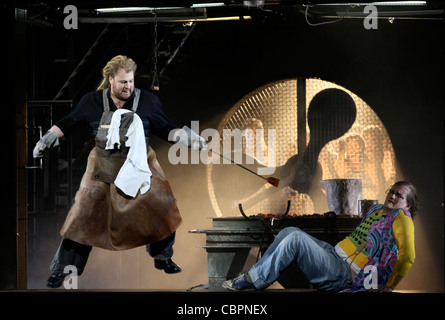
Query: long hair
x=113 y=66
x=412 y=198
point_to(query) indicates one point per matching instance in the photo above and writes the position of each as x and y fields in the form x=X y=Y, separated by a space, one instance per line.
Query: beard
x=122 y=95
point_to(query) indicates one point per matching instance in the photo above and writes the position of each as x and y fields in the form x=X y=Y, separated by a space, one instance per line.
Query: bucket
x=343 y=195
x=364 y=205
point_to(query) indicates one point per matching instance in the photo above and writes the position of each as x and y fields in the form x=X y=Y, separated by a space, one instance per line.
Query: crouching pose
x=383 y=243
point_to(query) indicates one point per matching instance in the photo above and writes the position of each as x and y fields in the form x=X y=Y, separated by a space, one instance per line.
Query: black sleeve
x=86 y=112
x=160 y=124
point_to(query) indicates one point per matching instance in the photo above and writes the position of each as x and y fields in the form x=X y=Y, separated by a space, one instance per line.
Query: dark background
x=397 y=70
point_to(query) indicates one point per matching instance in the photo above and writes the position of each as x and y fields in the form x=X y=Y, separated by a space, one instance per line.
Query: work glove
x=191 y=139
x=49 y=140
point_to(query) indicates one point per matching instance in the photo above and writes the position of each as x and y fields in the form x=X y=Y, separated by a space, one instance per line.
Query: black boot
x=55 y=280
x=167 y=265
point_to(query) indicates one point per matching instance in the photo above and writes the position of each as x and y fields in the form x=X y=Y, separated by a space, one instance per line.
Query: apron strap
x=105 y=100
x=137 y=94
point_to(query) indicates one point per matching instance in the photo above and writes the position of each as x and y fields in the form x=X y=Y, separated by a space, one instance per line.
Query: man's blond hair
x=112 y=68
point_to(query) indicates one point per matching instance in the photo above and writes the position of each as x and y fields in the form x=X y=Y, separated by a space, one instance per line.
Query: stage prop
x=330 y=152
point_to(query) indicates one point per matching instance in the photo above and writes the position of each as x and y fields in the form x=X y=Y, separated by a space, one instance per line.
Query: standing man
x=124 y=199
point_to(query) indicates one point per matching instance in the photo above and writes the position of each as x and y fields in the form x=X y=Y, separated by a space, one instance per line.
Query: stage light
x=208 y=5
x=398 y=3
x=284 y=105
x=250 y=4
x=377 y=3
x=129 y=9
x=142 y=9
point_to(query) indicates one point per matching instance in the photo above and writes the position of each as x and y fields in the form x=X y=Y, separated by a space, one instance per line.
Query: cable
x=155 y=82
x=320 y=23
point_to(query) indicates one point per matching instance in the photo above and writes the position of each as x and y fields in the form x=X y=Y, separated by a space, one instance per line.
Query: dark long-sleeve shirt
x=90 y=108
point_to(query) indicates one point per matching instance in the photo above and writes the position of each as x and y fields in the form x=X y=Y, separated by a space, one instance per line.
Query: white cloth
x=134 y=174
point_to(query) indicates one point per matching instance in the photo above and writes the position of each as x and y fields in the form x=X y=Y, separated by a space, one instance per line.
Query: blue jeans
x=316 y=259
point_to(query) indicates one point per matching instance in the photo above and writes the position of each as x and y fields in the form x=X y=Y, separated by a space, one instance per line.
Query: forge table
x=230 y=240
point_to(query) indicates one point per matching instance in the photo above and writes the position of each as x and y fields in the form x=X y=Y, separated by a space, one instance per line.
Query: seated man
x=382 y=243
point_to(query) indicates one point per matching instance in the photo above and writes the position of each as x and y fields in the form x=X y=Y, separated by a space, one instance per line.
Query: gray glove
x=191 y=139
x=49 y=140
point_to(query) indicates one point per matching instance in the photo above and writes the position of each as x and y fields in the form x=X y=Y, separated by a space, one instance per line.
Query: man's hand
x=191 y=139
x=49 y=140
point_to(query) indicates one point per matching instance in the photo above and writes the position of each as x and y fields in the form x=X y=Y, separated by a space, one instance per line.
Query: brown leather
x=108 y=163
x=102 y=216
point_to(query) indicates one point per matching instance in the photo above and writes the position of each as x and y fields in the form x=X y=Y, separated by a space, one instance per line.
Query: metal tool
x=273 y=181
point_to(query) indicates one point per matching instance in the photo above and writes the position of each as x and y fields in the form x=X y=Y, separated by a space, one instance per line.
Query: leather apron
x=102 y=215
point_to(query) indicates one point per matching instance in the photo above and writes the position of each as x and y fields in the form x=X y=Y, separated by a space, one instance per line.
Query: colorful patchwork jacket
x=382 y=252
